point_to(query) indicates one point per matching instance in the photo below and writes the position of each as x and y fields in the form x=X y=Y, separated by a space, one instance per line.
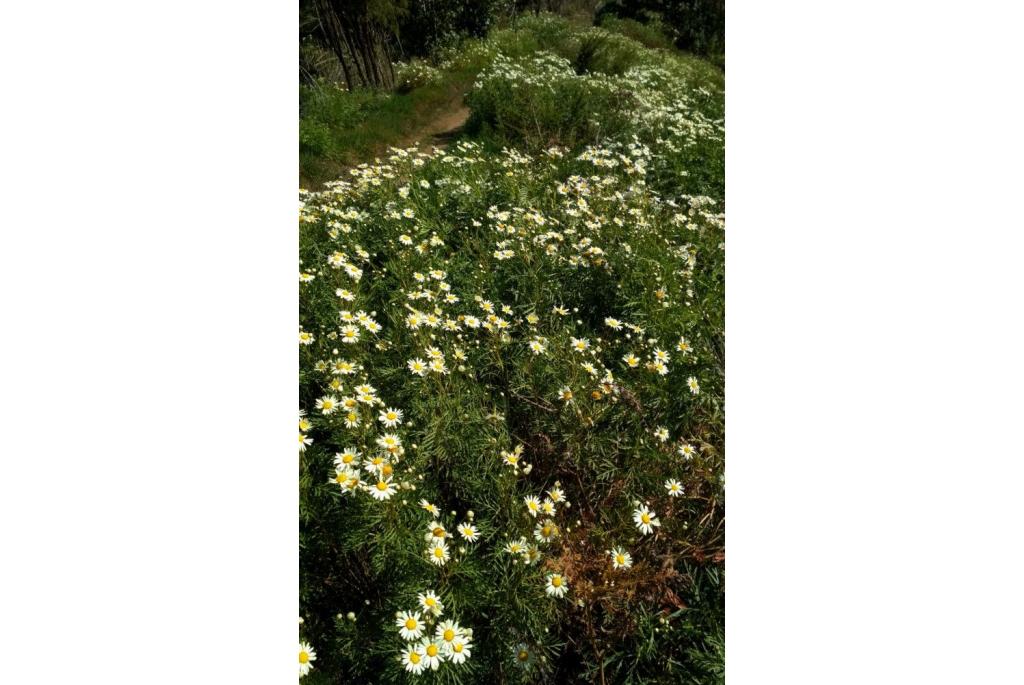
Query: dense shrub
x=609 y=53
x=615 y=90
x=653 y=34
x=541 y=101
x=414 y=75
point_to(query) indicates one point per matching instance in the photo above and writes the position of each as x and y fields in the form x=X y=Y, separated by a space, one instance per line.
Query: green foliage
x=541 y=101
x=694 y=25
x=653 y=34
x=545 y=267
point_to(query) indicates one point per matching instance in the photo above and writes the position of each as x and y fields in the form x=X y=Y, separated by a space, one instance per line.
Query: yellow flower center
x=523 y=655
x=387 y=470
x=431 y=650
x=392 y=416
x=438 y=552
x=438 y=532
x=382 y=486
x=341 y=478
x=457 y=647
x=620 y=559
x=546 y=531
x=645 y=518
x=414 y=657
x=347 y=459
x=410 y=623
x=303 y=657
x=431 y=601
x=449 y=635
x=556 y=581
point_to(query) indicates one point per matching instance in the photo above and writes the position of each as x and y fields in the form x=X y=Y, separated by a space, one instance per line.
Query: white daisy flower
x=687 y=450
x=645 y=519
x=532 y=505
x=694 y=386
x=390 y=442
x=580 y=344
x=620 y=558
x=327 y=404
x=418 y=367
x=306 y=658
x=390 y=417
x=410 y=625
x=557 y=585
x=468 y=532
x=346 y=478
x=516 y=546
x=375 y=464
x=431 y=654
x=383 y=489
x=459 y=649
x=349 y=334
x=546 y=531
x=430 y=602
x=447 y=631
x=675 y=489
x=427 y=506
x=414 y=658
x=437 y=552
x=348 y=457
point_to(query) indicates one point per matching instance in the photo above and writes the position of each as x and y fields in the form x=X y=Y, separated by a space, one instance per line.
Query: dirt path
x=440 y=130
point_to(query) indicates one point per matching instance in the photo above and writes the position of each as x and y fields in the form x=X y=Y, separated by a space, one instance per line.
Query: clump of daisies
x=431 y=642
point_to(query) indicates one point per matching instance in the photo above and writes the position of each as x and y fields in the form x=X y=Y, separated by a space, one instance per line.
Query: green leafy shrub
x=415 y=74
x=653 y=34
x=542 y=101
x=608 y=53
